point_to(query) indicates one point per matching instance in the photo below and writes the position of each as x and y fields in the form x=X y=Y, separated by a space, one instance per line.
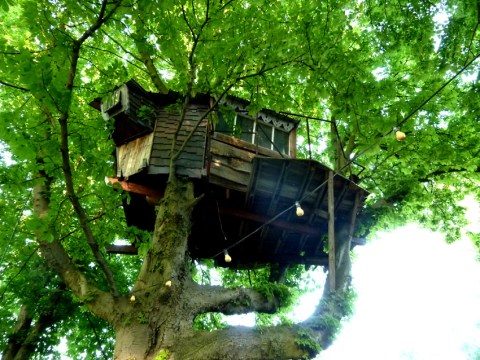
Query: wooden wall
x=133 y=157
x=192 y=160
x=231 y=161
x=227 y=161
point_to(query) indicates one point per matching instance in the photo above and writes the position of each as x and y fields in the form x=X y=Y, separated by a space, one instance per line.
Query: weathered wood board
x=191 y=161
x=231 y=161
x=134 y=156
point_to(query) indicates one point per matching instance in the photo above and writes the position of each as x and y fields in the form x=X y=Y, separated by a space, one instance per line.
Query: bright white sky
x=418 y=298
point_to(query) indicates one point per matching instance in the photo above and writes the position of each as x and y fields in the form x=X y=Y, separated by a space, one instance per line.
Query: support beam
x=353 y=217
x=121 y=249
x=285 y=225
x=151 y=194
x=331 y=232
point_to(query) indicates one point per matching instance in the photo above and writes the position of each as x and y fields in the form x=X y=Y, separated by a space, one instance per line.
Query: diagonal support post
x=331 y=232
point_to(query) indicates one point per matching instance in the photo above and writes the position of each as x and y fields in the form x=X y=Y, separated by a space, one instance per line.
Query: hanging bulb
x=227 y=257
x=132 y=298
x=400 y=135
x=299 y=211
x=168 y=283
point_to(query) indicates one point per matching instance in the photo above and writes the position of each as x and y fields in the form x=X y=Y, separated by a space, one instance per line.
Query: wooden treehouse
x=246 y=168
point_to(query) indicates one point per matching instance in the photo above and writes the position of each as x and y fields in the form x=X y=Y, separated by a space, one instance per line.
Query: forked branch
x=231 y=301
x=103 y=16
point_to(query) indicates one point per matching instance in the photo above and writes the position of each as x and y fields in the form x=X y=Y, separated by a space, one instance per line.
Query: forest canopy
x=357 y=71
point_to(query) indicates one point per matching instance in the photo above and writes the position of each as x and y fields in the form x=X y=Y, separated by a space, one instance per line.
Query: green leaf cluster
x=365 y=66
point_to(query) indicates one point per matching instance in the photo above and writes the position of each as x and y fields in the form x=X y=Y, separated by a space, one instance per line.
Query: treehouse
x=244 y=164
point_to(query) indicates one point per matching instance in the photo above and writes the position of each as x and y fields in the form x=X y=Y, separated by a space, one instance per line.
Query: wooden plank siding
x=249 y=191
x=231 y=161
x=133 y=157
x=192 y=160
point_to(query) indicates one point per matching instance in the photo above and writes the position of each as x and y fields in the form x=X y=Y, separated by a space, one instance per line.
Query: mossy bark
x=158 y=321
x=155 y=320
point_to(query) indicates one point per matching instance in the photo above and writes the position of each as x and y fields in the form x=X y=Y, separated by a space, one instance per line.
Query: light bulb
x=400 y=135
x=132 y=298
x=227 y=258
x=299 y=211
x=168 y=283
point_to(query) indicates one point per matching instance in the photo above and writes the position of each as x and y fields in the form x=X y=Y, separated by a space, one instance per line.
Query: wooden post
x=353 y=219
x=331 y=232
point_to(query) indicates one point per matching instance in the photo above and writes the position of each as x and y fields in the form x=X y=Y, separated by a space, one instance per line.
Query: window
x=254 y=132
x=281 y=140
x=264 y=135
x=245 y=128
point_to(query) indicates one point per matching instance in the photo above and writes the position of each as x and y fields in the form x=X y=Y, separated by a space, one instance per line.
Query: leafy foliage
x=364 y=66
x=306 y=342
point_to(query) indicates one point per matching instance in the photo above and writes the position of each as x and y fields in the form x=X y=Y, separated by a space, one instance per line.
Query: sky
x=418 y=298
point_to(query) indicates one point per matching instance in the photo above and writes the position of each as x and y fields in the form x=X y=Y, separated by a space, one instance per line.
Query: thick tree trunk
x=159 y=311
x=158 y=320
x=155 y=321
x=30 y=327
x=133 y=341
x=17 y=349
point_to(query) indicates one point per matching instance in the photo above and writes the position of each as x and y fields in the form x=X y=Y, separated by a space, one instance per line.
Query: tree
x=365 y=66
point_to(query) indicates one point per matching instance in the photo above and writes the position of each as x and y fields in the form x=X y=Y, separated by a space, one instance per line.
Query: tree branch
x=262 y=71
x=64 y=145
x=280 y=342
x=145 y=57
x=99 y=302
x=194 y=36
x=101 y=19
x=82 y=216
x=13 y=86
x=191 y=79
x=24 y=341
x=199 y=121
x=224 y=6
x=119 y=44
x=208 y=298
x=58 y=259
x=444 y=172
x=117 y=55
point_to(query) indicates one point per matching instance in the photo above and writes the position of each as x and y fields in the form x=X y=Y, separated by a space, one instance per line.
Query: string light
x=227 y=257
x=168 y=283
x=357 y=155
x=399 y=135
x=299 y=210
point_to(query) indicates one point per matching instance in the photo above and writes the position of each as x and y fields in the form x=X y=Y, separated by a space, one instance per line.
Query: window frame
x=255 y=134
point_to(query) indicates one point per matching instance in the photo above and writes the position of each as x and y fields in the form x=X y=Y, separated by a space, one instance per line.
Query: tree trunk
x=17 y=348
x=159 y=310
x=28 y=332
x=157 y=322
x=133 y=341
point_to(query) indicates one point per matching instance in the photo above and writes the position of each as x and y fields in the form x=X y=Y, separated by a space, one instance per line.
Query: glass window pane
x=244 y=127
x=225 y=122
x=264 y=133
x=281 y=141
